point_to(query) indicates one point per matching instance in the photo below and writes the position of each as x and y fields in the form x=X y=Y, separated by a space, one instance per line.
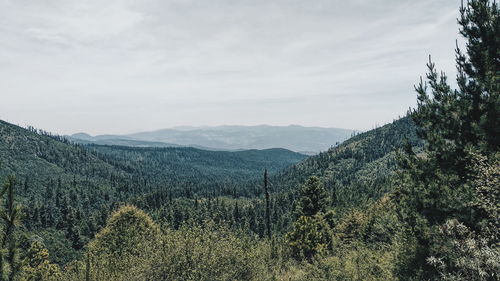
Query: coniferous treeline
x=413 y=200
x=70 y=189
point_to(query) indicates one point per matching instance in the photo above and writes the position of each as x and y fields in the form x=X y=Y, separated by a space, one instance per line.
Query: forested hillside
x=69 y=203
x=182 y=168
x=360 y=168
x=69 y=189
x=416 y=199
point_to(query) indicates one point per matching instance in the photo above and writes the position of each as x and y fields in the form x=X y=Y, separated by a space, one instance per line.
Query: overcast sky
x=116 y=66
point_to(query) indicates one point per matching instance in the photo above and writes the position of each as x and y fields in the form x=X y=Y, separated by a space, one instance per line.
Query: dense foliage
x=417 y=199
x=69 y=190
x=440 y=191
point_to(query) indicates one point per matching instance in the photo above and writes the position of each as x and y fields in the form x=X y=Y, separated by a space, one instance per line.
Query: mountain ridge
x=307 y=140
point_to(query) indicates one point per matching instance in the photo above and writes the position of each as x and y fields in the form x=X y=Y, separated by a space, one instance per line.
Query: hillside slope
x=37 y=157
x=68 y=190
x=358 y=169
x=66 y=184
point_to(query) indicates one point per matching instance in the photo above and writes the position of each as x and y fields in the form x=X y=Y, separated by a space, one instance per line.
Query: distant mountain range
x=309 y=140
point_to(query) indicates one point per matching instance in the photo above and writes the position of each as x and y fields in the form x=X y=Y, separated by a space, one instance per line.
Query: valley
x=416 y=198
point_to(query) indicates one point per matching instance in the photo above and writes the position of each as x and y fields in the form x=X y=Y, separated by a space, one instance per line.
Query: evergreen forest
x=415 y=199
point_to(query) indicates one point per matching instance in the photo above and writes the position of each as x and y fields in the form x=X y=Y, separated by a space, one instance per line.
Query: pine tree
x=311 y=233
x=236 y=213
x=437 y=184
x=454 y=120
x=313 y=198
x=268 y=208
x=11 y=216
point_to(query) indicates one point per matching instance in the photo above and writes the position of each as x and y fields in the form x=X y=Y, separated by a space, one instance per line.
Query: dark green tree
x=311 y=234
x=11 y=217
x=454 y=120
x=268 y=208
x=313 y=198
x=455 y=124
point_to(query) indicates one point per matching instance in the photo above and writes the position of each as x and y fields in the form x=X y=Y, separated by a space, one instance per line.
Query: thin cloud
x=117 y=66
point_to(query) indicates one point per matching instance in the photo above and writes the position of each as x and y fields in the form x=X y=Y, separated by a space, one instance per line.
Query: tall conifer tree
x=456 y=124
x=313 y=198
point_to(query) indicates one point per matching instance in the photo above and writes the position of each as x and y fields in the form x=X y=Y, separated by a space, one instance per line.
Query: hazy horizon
x=190 y=127
x=119 y=66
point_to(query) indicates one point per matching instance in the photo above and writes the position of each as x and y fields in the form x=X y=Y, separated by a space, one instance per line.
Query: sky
x=123 y=66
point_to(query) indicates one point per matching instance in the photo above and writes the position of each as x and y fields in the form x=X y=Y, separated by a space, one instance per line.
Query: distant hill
x=38 y=157
x=53 y=174
x=309 y=140
x=121 y=142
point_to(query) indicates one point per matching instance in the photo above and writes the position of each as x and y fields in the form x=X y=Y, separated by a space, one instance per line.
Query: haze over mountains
x=308 y=140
